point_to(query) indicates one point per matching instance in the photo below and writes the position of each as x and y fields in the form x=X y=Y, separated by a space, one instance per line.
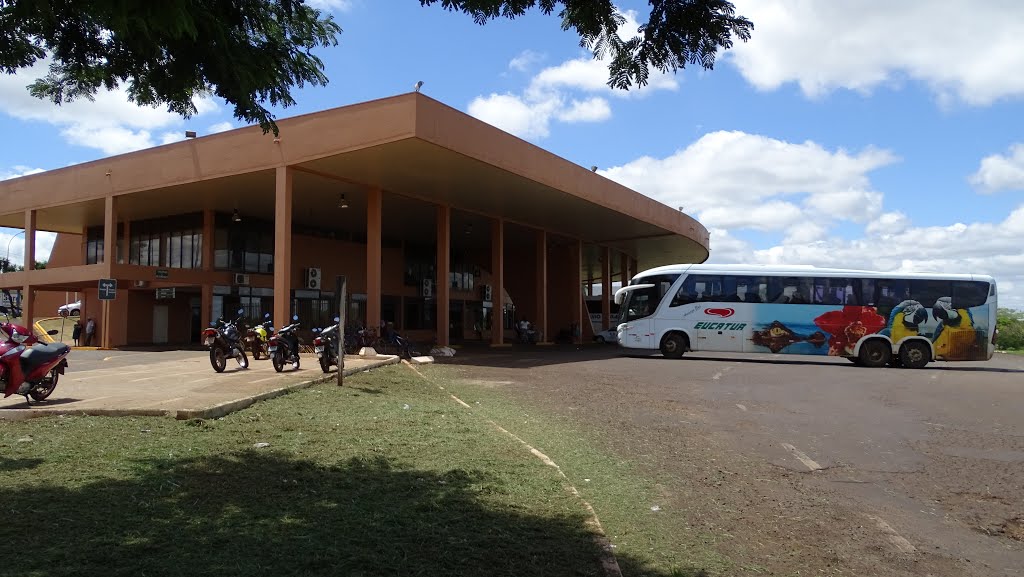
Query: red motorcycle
x=28 y=367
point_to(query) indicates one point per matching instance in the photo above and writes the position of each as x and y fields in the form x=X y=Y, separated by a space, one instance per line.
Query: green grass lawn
x=386 y=476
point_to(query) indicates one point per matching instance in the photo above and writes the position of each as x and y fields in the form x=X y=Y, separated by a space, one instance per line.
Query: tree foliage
x=677 y=32
x=248 y=52
x=1011 y=329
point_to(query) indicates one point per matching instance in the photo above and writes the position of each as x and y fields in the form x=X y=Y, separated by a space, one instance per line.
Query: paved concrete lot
x=178 y=383
x=808 y=464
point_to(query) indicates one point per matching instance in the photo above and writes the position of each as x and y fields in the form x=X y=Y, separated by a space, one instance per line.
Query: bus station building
x=444 y=225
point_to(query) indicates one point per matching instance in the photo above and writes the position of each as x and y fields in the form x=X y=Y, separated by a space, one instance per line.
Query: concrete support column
x=624 y=264
x=109 y=234
x=209 y=242
x=374 y=287
x=282 y=247
x=28 y=301
x=634 y=267
x=30 y=240
x=442 y=285
x=498 y=281
x=109 y=257
x=542 y=285
x=606 y=288
x=576 y=274
x=206 y=304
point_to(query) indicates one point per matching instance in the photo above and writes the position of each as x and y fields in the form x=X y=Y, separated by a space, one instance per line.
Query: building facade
x=441 y=224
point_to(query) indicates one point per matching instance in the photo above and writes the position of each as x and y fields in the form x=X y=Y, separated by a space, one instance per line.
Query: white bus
x=873 y=319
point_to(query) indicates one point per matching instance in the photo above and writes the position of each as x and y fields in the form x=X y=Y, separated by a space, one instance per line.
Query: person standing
x=76 y=332
x=90 y=331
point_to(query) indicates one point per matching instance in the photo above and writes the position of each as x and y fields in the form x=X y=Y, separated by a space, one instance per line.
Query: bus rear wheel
x=915 y=354
x=674 y=345
x=875 y=353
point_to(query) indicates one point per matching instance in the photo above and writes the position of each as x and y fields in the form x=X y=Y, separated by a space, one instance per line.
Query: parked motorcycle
x=326 y=345
x=284 y=347
x=28 y=367
x=225 y=340
x=257 y=338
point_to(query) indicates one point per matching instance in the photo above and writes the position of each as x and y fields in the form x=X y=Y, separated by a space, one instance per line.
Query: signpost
x=341 y=285
x=165 y=293
x=107 y=289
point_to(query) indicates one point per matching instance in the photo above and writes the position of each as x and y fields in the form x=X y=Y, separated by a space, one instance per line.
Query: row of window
x=828 y=291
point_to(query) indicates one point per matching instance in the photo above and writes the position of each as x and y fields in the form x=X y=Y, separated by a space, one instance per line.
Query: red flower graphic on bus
x=848 y=326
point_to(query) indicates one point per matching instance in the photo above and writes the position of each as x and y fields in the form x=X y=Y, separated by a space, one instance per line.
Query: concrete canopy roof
x=409 y=145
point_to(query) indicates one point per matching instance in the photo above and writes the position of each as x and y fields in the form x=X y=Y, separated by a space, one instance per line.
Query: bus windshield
x=642 y=302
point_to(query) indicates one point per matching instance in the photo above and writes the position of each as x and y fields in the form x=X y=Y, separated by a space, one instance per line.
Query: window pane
x=967 y=294
x=834 y=291
x=891 y=292
x=927 y=292
x=791 y=290
x=174 y=250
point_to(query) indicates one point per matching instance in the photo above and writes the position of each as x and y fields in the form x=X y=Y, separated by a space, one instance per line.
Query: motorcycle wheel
x=45 y=386
x=218 y=359
x=243 y=360
x=325 y=363
x=278 y=361
x=256 y=350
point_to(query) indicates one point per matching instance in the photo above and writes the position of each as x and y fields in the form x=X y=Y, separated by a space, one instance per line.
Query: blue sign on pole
x=108 y=289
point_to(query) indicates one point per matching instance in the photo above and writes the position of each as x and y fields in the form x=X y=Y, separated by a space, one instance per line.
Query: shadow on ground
x=260 y=513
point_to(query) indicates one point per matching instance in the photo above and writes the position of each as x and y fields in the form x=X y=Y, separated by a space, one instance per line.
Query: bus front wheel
x=915 y=354
x=674 y=345
x=875 y=353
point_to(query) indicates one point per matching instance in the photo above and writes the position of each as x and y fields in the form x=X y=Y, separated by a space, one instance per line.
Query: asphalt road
x=871 y=471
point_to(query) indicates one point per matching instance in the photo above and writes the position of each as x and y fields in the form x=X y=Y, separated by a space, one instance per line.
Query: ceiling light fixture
x=469 y=229
x=235 y=217
x=342 y=203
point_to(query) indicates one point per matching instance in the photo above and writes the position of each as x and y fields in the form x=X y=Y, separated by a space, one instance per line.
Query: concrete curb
x=222 y=409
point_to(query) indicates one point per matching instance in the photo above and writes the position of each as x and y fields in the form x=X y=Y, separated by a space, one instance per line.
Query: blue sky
x=858 y=134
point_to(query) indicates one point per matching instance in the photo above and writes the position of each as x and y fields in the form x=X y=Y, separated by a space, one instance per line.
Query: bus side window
x=687 y=293
x=967 y=294
x=867 y=292
x=927 y=292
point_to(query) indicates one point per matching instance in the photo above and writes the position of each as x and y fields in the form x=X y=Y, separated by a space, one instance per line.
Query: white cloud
x=998 y=172
x=590 y=110
x=513 y=114
x=220 y=127
x=573 y=91
x=525 y=60
x=960 y=49
x=888 y=223
x=739 y=180
x=109 y=122
x=330 y=5
x=18 y=170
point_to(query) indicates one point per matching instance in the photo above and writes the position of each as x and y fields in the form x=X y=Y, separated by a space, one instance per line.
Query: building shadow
x=262 y=513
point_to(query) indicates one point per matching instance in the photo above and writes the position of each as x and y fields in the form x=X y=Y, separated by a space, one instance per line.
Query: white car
x=70 y=309
x=607 y=336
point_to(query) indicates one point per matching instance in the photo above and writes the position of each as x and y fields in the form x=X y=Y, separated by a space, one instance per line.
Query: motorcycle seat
x=39 y=354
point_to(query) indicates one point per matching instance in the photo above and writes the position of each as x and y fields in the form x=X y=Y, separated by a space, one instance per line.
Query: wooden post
x=498 y=282
x=443 y=286
x=542 y=285
x=374 y=210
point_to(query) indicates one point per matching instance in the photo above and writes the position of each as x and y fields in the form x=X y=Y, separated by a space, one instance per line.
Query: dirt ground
x=811 y=467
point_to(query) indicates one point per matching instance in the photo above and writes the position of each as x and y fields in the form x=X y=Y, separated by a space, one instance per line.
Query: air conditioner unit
x=241 y=279
x=428 y=287
x=139 y=284
x=313 y=278
x=487 y=293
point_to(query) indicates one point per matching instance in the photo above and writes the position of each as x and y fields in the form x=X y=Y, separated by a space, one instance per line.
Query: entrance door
x=159 y=324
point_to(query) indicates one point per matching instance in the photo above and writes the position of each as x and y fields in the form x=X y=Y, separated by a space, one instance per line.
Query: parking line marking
x=741 y=407
x=716 y=376
x=266 y=379
x=803 y=458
